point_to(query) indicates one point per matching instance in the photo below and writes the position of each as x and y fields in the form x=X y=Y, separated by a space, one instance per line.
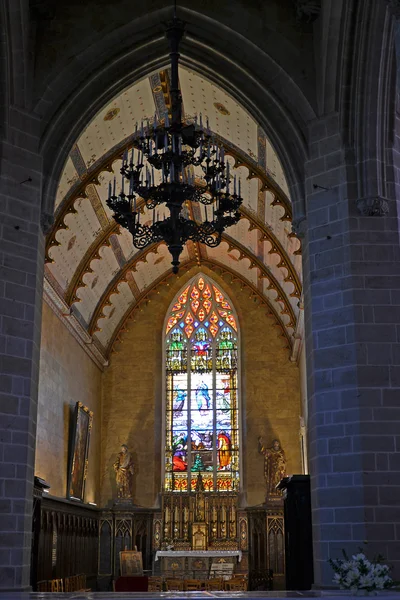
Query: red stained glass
x=214 y=330
x=224 y=485
x=195 y=294
x=201 y=315
x=218 y=296
x=207 y=305
x=226 y=305
x=176 y=306
x=189 y=318
x=223 y=313
x=195 y=305
x=188 y=330
x=201 y=284
x=214 y=318
x=207 y=293
x=208 y=483
x=180 y=484
x=174 y=319
x=230 y=319
x=183 y=297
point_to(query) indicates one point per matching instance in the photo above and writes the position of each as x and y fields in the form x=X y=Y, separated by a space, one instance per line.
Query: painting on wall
x=79 y=450
x=131 y=563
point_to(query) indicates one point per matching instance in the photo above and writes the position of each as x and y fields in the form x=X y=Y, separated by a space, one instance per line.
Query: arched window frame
x=236 y=450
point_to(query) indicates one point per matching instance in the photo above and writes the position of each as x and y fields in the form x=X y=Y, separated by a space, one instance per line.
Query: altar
x=200 y=535
x=198 y=564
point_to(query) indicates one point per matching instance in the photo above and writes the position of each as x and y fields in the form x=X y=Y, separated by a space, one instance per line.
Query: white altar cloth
x=194 y=553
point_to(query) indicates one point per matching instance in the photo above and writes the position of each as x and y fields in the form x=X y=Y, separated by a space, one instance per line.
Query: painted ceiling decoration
x=97 y=280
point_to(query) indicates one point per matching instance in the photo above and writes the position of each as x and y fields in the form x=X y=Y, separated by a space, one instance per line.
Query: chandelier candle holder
x=159 y=171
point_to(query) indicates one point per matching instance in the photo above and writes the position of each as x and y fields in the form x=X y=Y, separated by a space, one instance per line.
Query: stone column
x=21 y=280
x=352 y=320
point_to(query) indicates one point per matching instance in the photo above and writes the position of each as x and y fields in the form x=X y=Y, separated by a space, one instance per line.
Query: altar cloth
x=199 y=553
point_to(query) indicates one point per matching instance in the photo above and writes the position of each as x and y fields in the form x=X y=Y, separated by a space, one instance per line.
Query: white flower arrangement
x=358 y=573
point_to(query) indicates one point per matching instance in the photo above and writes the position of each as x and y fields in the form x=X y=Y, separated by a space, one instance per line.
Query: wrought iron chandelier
x=160 y=170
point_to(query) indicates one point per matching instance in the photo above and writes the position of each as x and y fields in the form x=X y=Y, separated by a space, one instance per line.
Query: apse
x=182 y=373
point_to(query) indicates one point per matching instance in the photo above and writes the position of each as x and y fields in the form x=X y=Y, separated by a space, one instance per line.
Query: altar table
x=192 y=564
x=199 y=553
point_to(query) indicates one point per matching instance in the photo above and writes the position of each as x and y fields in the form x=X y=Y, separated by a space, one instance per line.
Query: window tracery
x=201 y=411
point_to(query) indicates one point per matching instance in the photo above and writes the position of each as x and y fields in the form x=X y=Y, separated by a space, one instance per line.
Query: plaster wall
x=132 y=395
x=67 y=375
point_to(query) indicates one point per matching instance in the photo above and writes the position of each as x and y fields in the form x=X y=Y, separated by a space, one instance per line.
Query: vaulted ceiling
x=95 y=278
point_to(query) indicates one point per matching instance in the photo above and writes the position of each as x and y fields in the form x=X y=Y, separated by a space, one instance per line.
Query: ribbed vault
x=91 y=264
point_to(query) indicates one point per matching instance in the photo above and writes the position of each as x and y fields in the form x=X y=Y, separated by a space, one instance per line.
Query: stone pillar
x=352 y=321
x=21 y=280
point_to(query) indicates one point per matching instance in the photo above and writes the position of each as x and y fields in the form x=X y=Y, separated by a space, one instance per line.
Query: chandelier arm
x=175 y=150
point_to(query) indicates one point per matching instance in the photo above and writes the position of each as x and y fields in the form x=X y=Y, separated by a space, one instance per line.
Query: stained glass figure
x=201 y=420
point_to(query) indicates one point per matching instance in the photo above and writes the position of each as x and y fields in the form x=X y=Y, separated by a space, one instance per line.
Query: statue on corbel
x=124 y=470
x=274 y=468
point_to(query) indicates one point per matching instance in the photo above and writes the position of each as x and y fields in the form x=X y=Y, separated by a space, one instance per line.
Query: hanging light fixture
x=160 y=170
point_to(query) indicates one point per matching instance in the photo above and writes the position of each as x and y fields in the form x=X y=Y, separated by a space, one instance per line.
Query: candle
x=109 y=189
x=114 y=187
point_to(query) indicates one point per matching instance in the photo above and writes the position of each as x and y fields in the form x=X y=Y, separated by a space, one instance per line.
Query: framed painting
x=79 y=450
x=131 y=563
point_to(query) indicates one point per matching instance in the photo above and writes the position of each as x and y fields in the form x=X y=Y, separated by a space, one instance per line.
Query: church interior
x=199 y=297
x=227 y=320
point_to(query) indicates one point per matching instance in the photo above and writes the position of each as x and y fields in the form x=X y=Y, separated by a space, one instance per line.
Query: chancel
x=199 y=297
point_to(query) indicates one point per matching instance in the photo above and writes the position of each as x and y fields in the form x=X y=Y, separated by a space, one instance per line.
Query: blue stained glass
x=201 y=420
x=202 y=440
x=201 y=396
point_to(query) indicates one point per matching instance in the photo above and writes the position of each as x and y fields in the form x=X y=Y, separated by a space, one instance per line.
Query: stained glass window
x=202 y=413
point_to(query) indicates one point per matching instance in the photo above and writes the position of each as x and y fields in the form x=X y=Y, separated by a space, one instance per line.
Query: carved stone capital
x=46 y=222
x=299 y=227
x=373 y=207
x=307 y=10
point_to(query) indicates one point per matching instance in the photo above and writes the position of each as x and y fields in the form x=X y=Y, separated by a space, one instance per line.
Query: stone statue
x=123 y=468
x=274 y=466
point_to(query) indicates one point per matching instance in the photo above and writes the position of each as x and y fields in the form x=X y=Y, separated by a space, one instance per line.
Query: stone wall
x=67 y=375
x=132 y=395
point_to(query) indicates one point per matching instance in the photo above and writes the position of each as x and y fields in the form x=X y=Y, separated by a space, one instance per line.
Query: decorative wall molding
x=63 y=312
x=373 y=207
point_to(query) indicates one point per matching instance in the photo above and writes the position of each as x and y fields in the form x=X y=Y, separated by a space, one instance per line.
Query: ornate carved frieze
x=373 y=207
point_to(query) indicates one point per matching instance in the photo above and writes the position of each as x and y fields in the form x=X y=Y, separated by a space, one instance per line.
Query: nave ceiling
x=95 y=277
